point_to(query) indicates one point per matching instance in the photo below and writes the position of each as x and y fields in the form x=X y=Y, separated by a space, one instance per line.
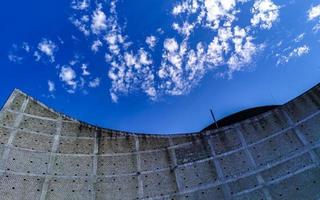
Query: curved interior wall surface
x=46 y=155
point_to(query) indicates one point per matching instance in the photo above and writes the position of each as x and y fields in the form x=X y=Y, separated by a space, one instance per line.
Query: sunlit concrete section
x=47 y=155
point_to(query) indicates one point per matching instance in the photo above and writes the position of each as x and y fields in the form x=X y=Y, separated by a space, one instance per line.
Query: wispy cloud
x=80 y=4
x=85 y=71
x=299 y=37
x=51 y=86
x=296 y=52
x=94 y=83
x=96 y=45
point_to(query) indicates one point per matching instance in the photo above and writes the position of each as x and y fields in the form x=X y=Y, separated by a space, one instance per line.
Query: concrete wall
x=46 y=155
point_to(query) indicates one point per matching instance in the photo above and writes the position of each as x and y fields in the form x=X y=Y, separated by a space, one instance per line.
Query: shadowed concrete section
x=47 y=155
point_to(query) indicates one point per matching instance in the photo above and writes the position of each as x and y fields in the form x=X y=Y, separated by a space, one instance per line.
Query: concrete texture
x=47 y=155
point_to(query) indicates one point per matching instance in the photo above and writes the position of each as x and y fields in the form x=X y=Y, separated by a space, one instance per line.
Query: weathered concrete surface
x=46 y=155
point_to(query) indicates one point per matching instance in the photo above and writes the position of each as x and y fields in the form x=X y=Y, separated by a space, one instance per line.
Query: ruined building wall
x=46 y=155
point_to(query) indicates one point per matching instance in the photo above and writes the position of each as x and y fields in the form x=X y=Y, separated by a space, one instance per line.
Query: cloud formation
x=48 y=48
x=68 y=76
x=182 y=66
x=314 y=14
x=265 y=13
x=183 y=57
x=296 y=52
x=51 y=86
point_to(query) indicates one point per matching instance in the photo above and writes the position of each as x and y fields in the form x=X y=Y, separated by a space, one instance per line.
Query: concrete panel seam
x=180 y=145
x=188 y=191
x=45 y=134
x=54 y=148
x=94 y=166
x=311 y=166
x=301 y=137
x=13 y=133
x=253 y=163
x=32 y=116
x=225 y=188
x=138 y=158
x=173 y=159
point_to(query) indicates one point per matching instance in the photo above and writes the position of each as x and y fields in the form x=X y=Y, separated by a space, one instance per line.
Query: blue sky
x=156 y=65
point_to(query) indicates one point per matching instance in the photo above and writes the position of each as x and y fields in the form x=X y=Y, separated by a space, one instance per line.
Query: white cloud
x=129 y=59
x=144 y=57
x=183 y=63
x=14 y=58
x=48 y=48
x=68 y=75
x=96 y=45
x=243 y=54
x=17 y=53
x=189 y=6
x=217 y=10
x=37 y=56
x=215 y=52
x=26 y=47
x=185 y=29
x=85 y=71
x=114 y=97
x=296 y=52
x=171 y=45
x=94 y=83
x=51 y=86
x=314 y=12
x=265 y=12
x=151 y=41
x=81 y=24
x=98 y=21
x=80 y=4
x=299 y=37
x=299 y=51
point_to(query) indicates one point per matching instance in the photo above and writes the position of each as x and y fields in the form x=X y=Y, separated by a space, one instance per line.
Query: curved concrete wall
x=46 y=155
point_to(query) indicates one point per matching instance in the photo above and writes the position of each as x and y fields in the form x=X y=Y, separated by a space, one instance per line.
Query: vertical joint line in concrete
x=95 y=155
x=173 y=159
x=301 y=137
x=14 y=131
x=54 y=148
x=140 y=182
x=94 y=165
x=225 y=187
x=252 y=163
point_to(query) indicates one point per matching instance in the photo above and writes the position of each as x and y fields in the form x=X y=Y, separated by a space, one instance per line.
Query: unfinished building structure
x=47 y=155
